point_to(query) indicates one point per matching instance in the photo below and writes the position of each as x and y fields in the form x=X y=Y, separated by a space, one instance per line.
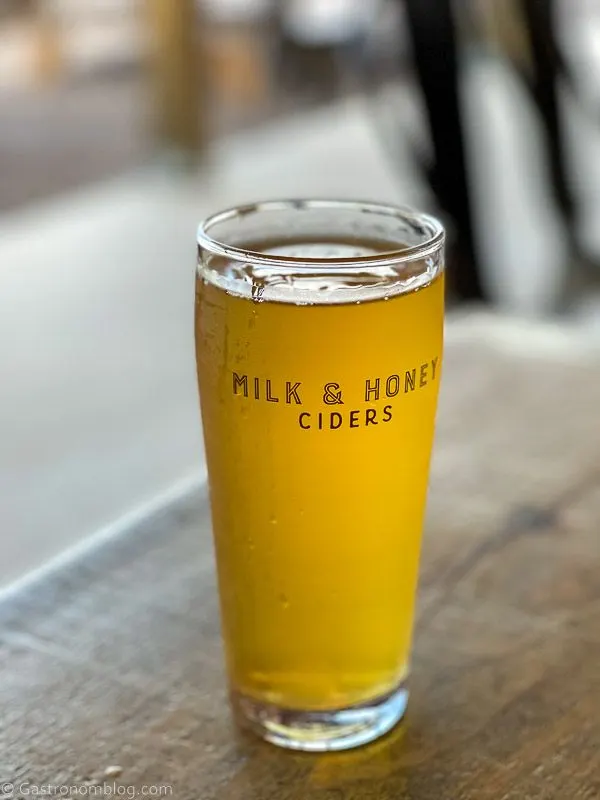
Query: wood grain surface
x=115 y=659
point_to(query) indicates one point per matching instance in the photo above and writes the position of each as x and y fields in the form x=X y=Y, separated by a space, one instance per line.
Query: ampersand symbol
x=333 y=395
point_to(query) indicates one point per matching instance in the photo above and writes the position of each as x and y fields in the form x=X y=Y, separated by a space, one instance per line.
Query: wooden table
x=115 y=659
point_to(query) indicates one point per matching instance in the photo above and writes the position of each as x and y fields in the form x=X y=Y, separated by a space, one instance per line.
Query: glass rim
x=430 y=245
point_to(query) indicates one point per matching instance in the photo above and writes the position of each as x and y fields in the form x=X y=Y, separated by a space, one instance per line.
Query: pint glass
x=319 y=328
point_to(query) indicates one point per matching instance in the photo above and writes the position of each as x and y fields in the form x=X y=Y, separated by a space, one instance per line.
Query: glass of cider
x=319 y=334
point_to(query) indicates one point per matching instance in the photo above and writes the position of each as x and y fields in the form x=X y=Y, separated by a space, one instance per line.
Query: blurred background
x=124 y=122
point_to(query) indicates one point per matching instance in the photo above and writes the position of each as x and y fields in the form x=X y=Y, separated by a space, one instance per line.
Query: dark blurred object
x=434 y=40
x=538 y=16
x=547 y=69
x=536 y=55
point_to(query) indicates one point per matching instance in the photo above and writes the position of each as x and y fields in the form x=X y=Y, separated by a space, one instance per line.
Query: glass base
x=320 y=731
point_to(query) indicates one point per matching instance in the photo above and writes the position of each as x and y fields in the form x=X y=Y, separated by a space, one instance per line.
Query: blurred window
x=236 y=11
x=317 y=22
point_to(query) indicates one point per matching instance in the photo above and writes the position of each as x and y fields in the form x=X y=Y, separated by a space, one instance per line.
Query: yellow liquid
x=317 y=519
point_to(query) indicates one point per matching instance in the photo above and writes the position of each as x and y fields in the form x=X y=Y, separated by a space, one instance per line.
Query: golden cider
x=318 y=424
